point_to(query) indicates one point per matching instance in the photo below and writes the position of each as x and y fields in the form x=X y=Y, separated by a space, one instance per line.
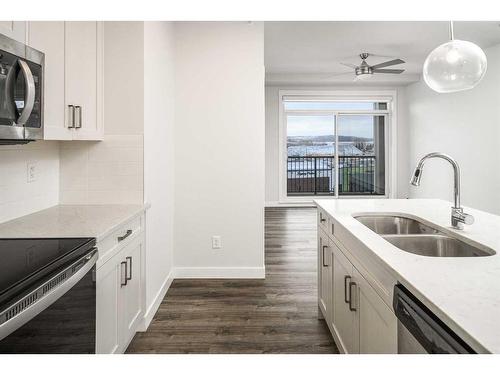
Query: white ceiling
x=317 y=48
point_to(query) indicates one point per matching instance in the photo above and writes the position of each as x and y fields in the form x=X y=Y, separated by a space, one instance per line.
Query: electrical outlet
x=31 y=171
x=216 y=242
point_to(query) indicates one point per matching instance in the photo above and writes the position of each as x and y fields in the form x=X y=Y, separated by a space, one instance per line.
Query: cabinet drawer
x=119 y=238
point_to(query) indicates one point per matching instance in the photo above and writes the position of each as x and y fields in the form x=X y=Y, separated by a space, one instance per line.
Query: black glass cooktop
x=25 y=261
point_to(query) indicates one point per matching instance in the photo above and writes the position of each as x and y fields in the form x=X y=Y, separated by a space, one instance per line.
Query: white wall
x=465 y=125
x=158 y=156
x=219 y=148
x=111 y=171
x=17 y=196
x=272 y=136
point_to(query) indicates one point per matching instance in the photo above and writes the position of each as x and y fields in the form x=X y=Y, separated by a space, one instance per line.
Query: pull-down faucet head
x=415 y=179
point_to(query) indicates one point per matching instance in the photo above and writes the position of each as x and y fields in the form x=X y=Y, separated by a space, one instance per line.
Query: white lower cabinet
x=119 y=307
x=130 y=293
x=360 y=320
x=325 y=265
x=344 y=308
x=377 y=322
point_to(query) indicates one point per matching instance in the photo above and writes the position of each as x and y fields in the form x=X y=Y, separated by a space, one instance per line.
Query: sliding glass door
x=361 y=153
x=335 y=148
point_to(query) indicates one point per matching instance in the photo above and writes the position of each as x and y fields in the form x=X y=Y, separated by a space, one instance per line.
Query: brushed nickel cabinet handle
x=351 y=284
x=128 y=233
x=346 y=277
x=123 y=283
x=130 y=268
x=78 y=117
x=71 y=116
x=324 y=247
x=321 y=219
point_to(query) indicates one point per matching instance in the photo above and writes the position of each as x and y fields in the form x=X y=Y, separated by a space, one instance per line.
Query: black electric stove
x=47 y=295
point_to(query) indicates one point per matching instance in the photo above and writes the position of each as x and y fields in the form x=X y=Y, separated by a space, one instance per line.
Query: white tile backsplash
x=19 y=197
x=108 y=172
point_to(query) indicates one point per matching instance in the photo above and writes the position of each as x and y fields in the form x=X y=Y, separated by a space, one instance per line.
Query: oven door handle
x=29 y=97
x=77 y=270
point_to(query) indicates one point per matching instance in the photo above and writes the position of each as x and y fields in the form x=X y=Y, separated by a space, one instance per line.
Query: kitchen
x=156 y=198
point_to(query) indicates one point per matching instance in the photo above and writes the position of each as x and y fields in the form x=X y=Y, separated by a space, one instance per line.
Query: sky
x=349 y=125
x=352 y=125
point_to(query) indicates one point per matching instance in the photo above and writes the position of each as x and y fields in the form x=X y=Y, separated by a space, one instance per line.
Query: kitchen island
x=464 y=292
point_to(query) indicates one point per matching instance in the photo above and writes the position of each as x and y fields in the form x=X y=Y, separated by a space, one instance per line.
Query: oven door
x=58 y=316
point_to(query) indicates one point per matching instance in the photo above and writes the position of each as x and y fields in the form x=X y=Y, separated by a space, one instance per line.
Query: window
x=335 y=147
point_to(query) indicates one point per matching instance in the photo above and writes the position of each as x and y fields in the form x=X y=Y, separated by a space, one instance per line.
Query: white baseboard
x=220 y=272
x=154 y=306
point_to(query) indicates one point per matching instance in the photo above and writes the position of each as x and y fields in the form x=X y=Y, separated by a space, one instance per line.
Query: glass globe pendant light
x=454 y=66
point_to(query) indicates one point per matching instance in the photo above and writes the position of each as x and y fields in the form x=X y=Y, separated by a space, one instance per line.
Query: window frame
x=390 y=114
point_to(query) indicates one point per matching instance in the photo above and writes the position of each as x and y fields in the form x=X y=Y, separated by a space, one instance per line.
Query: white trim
x=309 y=203
x=359 y=95
x=155 y=305
x=220 y=272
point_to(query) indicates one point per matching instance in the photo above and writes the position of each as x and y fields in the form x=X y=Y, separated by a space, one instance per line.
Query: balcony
x=315 y=175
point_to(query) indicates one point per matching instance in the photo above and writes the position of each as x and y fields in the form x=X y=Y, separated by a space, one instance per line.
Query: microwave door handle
x=29 y=99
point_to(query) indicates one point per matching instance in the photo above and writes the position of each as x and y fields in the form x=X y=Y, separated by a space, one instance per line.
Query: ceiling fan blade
x=390 y=71
x=388 y=63
x=349 y=65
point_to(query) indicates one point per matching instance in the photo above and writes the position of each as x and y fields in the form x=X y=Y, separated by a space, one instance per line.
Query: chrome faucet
x=458 y=216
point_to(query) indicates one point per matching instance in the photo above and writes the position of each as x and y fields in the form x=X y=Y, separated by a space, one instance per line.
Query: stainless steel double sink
x=415 y=237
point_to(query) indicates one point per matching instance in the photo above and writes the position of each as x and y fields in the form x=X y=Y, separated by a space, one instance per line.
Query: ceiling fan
x=364 y=70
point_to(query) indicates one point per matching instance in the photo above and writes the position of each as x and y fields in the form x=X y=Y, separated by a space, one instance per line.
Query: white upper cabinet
x=48 y=37
x=73 y=78
x=83 y=88
x=14 y=29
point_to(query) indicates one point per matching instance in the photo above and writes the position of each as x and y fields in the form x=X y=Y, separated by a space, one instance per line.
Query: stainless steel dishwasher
x=420 y=330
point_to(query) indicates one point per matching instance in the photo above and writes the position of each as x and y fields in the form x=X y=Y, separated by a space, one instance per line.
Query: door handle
x=123 y=283
x=351 y=284
x=321 y=219
x=71 y=116
x=29 y=96
x=324 y=247
x=78 y=117
x=129 y=277
x=346 y=277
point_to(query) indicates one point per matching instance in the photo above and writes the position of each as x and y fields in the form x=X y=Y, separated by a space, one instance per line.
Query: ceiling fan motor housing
x=363 y=69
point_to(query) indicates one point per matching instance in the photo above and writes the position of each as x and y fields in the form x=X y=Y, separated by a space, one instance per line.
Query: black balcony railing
x=315 y=175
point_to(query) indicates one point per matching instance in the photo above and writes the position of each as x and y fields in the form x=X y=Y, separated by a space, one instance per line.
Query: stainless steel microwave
x=21 y=92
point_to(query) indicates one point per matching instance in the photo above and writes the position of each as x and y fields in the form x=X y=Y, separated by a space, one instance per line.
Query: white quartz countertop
x=463 y=292
x=71 y=221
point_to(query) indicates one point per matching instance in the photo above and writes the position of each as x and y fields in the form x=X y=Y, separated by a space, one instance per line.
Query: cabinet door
x=377 y=322
x=107 y=287
x=324 y=275
x=131 y=293
x=48 y=37
x=83 y=56
x=343 y=318
x=14 y=29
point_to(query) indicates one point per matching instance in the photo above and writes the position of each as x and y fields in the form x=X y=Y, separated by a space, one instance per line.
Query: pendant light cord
x=452 y=34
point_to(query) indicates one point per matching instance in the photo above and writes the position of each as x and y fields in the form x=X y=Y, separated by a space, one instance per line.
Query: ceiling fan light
x=364 y=76
x=454 y=66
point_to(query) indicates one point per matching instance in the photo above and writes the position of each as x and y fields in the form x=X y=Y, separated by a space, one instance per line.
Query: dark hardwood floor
x=275 y=315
